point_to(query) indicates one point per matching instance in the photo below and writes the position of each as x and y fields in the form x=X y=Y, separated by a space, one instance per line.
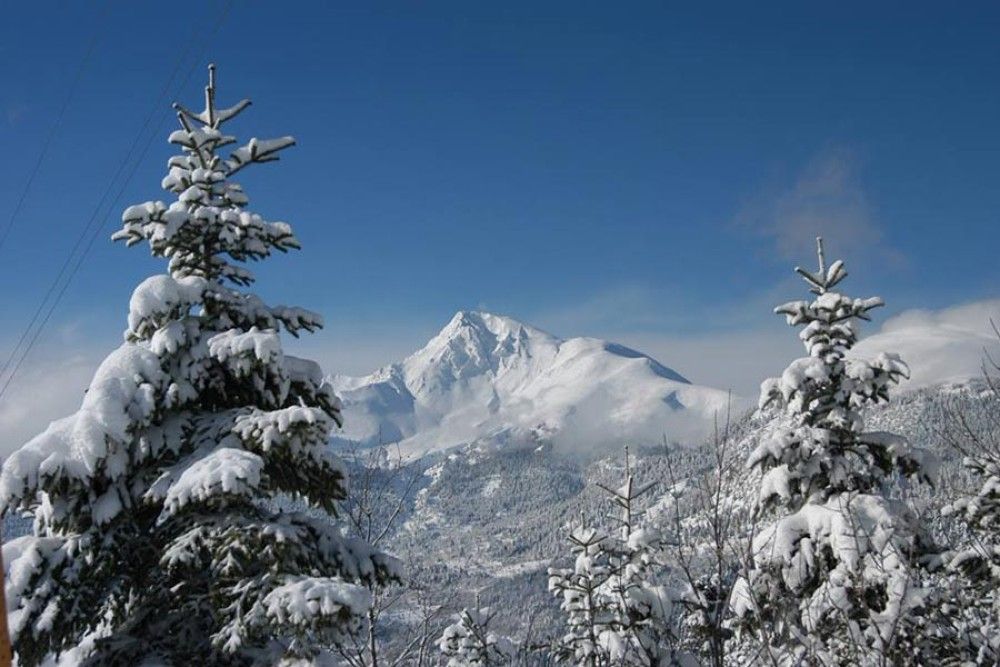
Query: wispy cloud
x=943 y=345
x=636 y=308
x=735 y=360
x=14 y=112
x=359 y=349
x=827 y=198
x=732 y=345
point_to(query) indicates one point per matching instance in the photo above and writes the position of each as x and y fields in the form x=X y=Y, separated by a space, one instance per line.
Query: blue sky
x=647 y=172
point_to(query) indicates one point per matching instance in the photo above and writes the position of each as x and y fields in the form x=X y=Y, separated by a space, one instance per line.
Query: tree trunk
x=6 y=654
x=372 y=643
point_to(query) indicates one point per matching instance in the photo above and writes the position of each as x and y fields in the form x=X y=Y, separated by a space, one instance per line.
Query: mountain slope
x=491 y=522
x=488 y=378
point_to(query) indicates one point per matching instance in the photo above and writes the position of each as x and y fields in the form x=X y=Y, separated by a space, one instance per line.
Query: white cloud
x=725 y=345
x=358 y=350
x=946 y=345
x=826 y=199
x=733 y=360
x=939 y=345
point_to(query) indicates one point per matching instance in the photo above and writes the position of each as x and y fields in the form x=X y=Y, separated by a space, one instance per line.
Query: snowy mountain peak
x=487 y=377
x=493 y=335
x=479 y=323
x=472 y=344
x=483 y=333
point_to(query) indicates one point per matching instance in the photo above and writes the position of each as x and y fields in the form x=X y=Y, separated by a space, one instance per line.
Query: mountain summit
x=490 y=379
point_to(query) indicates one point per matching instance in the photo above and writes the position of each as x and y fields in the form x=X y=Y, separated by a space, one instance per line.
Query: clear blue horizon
x=656 y=171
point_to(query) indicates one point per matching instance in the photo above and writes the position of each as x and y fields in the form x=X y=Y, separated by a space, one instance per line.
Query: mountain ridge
x=490 y=378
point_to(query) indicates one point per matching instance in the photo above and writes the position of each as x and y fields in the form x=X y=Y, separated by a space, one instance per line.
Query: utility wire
x=34 y=336
x=91 y=47
x=96 y=213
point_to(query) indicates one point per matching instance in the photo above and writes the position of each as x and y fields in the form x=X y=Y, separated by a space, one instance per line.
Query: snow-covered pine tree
x=157 y=534
x=469 y=642
x=831 y=576
x=972 y=578
x=588 y=612
x=979 y=559
x=618 y=597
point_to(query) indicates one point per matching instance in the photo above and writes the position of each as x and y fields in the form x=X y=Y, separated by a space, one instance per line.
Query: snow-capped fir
x=156 y=535
x=588 y=612
x=469 y=642
x=617 y=598
x=832 y=574
x=981 y=559
x=980 y=450
x=973 y=572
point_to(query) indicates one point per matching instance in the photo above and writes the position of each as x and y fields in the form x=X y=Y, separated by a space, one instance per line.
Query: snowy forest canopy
x=193 y=511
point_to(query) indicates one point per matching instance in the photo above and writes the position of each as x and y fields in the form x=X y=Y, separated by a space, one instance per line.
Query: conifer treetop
x=829 y=316
x=208 y=221
x=826 y=389
x=820 y=447
x=824 y=279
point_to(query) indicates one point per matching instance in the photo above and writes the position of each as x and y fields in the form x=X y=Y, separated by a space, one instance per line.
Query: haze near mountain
x=493 y=380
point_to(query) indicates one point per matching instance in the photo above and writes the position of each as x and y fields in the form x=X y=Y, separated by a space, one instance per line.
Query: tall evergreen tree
x=619 y=597
x=158 y=532
x=972 y=575
x=831 y=576
x=588 y=611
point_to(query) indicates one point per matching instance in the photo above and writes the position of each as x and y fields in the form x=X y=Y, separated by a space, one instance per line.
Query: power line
x=95 y=214
x=95 y=217
x=91 y=47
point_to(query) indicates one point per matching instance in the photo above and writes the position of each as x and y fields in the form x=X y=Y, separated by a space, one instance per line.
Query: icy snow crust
x=487 y=377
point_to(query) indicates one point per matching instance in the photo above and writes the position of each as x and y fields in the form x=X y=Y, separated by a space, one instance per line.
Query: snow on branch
x=309 y=602
x=226 y=471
